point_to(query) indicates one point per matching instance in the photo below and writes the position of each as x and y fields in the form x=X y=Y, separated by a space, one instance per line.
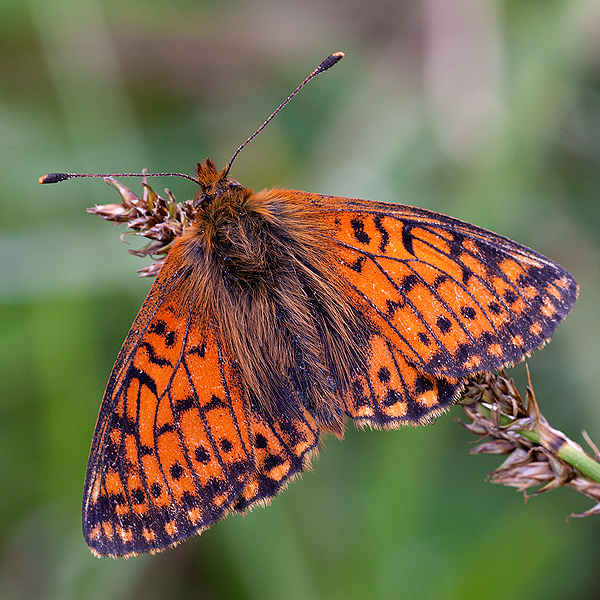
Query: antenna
x=56 y=177
x=331 y=60
x=326 y=64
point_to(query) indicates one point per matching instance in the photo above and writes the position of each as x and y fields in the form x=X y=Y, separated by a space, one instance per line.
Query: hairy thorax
x=260 y=266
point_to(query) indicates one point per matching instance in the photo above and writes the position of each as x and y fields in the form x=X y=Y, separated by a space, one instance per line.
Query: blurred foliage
x=489 y=112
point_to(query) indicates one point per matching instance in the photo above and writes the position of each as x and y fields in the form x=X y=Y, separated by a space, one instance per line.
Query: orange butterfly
x=275 y=316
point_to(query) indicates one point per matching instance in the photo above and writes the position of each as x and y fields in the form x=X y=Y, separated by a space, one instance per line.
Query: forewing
x=455 y=299
x=171 y=452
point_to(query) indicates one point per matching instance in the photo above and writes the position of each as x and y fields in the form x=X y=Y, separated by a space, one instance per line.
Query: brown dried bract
x=536 y=451
x=161 y=220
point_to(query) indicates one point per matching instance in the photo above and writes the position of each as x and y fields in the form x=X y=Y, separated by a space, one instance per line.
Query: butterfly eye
x=199 y=198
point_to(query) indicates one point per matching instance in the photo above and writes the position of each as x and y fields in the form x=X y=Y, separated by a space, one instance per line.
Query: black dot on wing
x=392 y=397
x=359 y=231
x=422 y=385
x=485 y=339
x=385 y=236
x=424 y=338
x=170 y=339
x=176 y=471
x=238 y=469
x=494 y=308
x=199 y=350
x=159 y=327
x=166 y=428
x=272 y=461
x=226 y=445
x=415 y=412
x=138 y=496
x=215 y=402
x=464 y=352
x=439 y=280
x=468 y=312
x=383 y=374
x=357 y=265
x=188 y=500
x=444 y=324
x=202 y=456
x=260 y=441
x=392 y=307
x=409 y=282
x=186 y=403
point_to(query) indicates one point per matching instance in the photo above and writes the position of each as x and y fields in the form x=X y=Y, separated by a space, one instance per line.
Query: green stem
x=582 y=462
x=567 y=452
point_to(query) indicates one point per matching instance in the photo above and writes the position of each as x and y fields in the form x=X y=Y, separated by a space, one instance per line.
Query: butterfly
x=278 y=315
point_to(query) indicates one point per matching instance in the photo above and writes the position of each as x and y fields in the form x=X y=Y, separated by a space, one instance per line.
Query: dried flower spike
x=161 y=220
x=537 y=453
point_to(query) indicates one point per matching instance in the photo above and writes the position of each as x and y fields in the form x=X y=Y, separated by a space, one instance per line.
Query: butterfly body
x=258 y=264
x=277 y=315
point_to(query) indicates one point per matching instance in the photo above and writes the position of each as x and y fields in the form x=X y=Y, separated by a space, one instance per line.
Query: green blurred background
x=488 y=111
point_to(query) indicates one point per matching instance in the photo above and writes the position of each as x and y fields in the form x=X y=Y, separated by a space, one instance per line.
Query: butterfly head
x=213 y=183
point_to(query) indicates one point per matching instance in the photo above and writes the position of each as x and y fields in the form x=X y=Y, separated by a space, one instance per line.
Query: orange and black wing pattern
x=283 y=448
x=172 y=450
x=455 y=299
x=449 y=298
x=393 y=392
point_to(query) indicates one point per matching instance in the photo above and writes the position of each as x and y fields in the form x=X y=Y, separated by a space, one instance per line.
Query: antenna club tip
x=331 y=60
x=54 y=177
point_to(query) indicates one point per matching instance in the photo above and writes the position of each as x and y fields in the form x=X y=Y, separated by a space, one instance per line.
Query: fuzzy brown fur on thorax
x=258 y=263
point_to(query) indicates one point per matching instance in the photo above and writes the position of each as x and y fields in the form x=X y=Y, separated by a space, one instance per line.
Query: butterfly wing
x=454 y=298
x=283 y=448
x=449 y=298
x=394 y=392
x=172 y=449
